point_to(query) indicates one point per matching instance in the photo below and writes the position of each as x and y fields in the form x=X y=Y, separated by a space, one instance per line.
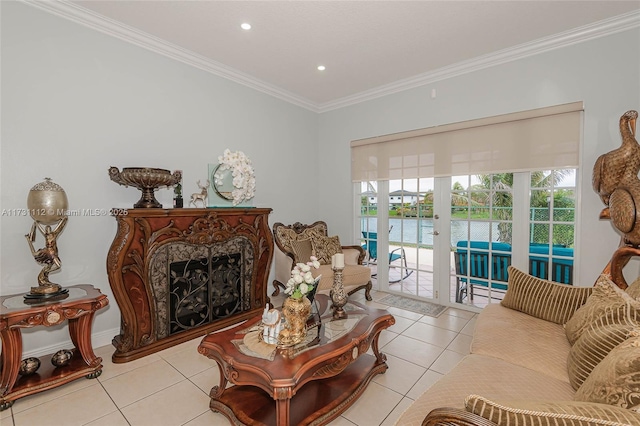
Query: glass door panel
x=552 y=204
x=481 y=237
x=411 y=237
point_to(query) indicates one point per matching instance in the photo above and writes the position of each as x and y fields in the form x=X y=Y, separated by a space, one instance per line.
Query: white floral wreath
x=244 y=181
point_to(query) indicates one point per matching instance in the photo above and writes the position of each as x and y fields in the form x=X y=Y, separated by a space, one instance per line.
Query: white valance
x=539 y=139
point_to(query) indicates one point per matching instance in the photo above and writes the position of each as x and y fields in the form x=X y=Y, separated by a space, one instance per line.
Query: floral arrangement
x=302 y=281
x=244 y=181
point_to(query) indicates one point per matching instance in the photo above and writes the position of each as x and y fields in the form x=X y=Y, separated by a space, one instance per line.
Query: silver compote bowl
x=147 y=180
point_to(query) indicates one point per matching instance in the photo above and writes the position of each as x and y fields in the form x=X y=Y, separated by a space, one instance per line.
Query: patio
x=420 y=282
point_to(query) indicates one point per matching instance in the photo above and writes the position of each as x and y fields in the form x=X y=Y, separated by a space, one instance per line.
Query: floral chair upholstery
x=298 y=242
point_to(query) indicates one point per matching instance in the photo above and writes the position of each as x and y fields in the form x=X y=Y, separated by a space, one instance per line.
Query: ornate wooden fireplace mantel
x=177 y=274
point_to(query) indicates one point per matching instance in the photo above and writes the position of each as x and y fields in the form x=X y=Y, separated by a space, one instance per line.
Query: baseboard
x=102 y=338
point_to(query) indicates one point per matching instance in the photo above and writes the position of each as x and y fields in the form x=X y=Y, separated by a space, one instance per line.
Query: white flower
x=302 y=280
x=305 y=267
x=304 y=288
x=244 y=180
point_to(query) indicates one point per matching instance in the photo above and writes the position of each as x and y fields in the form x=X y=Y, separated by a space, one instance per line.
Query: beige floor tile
x=446 y=361
x=448 y=322
x=208 y=419
x=391 y=419
x=5 y=415
x=397 y=312
x=111 y=370
x=385 y=337
x=341 y=421
x=401 y=375
x=461 y=344
x=184 y=346
x=77 y=408
x=412 y=350
x=373 y=406
x=424 y=383
x=28 y=402
x=430 y=334
x=175 y=405
x=134 y=385
x=112 y=419
x=459 y=313
x=401 y=325
x=154 y=390
x=469 y=328
x=188 y=361
x=207 y=379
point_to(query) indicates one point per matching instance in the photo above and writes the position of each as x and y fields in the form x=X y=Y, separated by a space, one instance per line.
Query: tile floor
x=171 y=387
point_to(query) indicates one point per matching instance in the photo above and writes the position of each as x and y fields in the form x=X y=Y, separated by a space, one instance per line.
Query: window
x=481 y=173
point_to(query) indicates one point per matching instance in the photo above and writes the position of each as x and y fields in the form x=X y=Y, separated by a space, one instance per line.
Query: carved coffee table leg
x=11 y=357
x=282 y=410
x=380 y=357
x=216 y=391
x=80 y=333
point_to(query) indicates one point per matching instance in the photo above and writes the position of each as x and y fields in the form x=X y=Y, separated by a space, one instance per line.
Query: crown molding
x=88 y=18
x=578 y=35
x=95 y=21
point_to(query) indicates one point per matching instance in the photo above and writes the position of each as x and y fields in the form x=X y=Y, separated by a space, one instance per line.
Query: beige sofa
x=548 y=354
x=296 y=243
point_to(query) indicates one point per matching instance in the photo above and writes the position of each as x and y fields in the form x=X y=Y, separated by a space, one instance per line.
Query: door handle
x=435 y=233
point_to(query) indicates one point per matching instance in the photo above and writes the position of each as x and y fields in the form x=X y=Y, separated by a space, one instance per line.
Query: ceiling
x=365 y=45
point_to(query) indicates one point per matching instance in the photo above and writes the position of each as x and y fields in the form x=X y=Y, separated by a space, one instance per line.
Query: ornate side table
x=78 y=309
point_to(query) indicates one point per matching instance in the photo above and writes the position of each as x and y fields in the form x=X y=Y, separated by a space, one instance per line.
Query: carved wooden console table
x=78 y=309
x=177 y=274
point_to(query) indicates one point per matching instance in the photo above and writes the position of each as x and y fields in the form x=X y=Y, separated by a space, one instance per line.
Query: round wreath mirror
x=222 y=182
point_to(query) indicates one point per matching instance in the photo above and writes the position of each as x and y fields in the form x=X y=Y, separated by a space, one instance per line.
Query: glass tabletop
x=322 y=329
x=17 y=302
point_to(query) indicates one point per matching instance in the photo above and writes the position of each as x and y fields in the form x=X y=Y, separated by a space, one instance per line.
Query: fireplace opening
x=205 y=289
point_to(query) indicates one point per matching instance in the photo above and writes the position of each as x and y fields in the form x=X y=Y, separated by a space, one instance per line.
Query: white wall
x=76 y=101
x=604 y=73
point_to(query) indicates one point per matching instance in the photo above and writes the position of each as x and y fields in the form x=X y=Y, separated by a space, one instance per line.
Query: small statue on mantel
x=200 y=196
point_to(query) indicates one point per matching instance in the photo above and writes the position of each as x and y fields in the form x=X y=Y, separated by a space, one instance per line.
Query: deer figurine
x=200 y=196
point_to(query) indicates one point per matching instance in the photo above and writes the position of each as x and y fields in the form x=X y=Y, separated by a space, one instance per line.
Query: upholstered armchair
x=298 y=242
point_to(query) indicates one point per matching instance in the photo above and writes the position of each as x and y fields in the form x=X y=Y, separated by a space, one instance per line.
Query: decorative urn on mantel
x=147 y=180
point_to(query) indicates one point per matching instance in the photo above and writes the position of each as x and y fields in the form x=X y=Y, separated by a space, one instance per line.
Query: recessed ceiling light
x=245 y=26
x=321 y=68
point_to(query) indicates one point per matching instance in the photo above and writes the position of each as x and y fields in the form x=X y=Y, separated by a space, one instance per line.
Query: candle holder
x=338 y=296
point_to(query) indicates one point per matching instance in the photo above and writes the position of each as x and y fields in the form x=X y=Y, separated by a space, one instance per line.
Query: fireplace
x=198 y=284
x=180 y=273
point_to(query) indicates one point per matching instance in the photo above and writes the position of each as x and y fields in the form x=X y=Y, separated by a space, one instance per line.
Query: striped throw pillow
x=593 y=346
x=616 y=379
x=566 y=413
x=543 y=299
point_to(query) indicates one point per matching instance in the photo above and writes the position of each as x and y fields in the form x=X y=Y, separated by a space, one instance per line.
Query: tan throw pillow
x=302 y=250
x=616 y=380
x=286 y=235
x=325 y=247
x=564 y=413
x=543 y=299
x=634 y=289
x=607 y=299
x=592 y=347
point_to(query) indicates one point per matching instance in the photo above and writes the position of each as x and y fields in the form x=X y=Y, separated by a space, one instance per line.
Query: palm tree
x=499 y=188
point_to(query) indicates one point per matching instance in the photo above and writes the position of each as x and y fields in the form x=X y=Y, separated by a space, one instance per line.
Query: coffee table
x=309 y=384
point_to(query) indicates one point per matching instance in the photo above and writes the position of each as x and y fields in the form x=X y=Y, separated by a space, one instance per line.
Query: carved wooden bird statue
x=620 y=165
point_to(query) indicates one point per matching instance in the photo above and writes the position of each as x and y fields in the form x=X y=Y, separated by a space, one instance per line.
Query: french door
x=451 y=239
